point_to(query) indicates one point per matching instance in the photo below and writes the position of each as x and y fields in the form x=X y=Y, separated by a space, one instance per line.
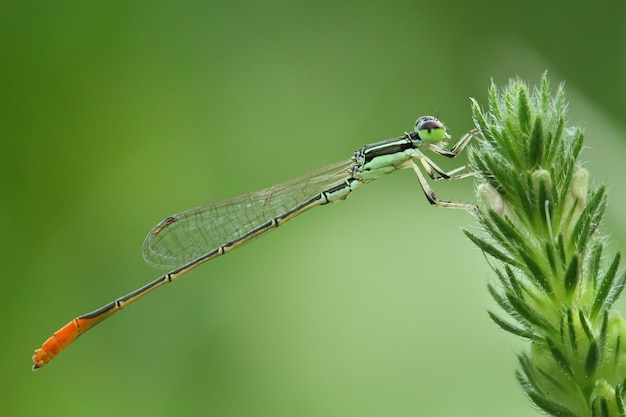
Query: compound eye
x=430 y=129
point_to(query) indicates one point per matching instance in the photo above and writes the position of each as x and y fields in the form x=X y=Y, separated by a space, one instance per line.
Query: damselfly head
x=430 y=129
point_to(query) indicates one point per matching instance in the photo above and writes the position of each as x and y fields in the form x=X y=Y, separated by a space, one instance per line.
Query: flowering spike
x=541 y=221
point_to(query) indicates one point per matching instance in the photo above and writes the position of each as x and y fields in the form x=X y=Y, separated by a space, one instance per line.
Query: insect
x=188 y=239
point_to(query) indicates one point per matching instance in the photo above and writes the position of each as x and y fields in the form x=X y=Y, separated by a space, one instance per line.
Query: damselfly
x=188 y=239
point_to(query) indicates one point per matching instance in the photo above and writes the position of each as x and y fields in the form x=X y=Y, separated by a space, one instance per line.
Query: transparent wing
x=186 y=236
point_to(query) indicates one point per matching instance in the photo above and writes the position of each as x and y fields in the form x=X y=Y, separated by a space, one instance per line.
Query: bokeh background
x=115 y=114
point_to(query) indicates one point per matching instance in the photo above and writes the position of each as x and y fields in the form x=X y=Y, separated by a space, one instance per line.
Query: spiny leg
x=436 y=173
x=465 y=139
x=432 y=197
x=458 y=147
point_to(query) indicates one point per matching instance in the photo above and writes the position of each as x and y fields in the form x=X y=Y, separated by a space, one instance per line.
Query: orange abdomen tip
x=56 y=343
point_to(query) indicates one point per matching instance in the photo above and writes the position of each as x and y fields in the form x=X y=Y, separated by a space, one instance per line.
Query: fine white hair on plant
x=541 y=219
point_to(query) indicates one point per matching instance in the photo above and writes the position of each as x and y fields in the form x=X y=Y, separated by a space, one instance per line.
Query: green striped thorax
x=381 y=158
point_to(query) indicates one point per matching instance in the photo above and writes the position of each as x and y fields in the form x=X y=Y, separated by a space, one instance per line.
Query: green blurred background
x=116 y=114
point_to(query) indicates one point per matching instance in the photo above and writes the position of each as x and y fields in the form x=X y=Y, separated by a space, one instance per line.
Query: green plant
x=540 y=221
